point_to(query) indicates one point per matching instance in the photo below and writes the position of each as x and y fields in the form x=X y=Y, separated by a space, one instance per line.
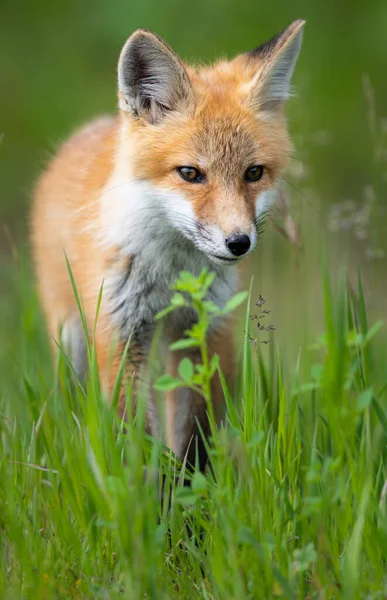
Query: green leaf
x=246 y=536
x=202 y=277
x=322 y=342
x=304 y=558
x=163 y=313
x=214 y=364
x=185 y=276
x=234 y=302
x=317 y=371
x=364 y=399
x=210 y=306
x=198 y=379
x=373 y=330
x=197 y=331
x=307 y=387
x=185 y=495
x=354 y=338
x=208 y=281
x=182 y=344
x=257 y=439
x=186 y=369
x=178 y=300
x=381 y=414
x=167 y=382
x=199 y=483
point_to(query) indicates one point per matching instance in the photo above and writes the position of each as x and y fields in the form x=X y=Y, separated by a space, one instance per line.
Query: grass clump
x=294 y=505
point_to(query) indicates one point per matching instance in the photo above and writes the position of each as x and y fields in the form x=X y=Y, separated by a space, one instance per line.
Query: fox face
x=208 y=145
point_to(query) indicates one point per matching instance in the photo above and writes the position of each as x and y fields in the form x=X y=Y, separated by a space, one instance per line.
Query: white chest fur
x=139 y=220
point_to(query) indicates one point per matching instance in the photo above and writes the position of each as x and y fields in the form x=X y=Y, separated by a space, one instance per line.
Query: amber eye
x=190 y=174
x=254 y=173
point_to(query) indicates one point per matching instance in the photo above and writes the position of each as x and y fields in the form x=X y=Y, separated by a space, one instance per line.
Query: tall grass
x=294 y=505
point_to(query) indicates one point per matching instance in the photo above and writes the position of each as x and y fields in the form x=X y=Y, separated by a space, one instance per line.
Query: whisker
x=171 y=233
x=261 y=222
x=302 y=194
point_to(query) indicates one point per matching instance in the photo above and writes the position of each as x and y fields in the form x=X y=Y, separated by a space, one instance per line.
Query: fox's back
x=64 y=205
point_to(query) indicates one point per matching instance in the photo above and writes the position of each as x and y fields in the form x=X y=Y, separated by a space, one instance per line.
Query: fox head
x=209 y=143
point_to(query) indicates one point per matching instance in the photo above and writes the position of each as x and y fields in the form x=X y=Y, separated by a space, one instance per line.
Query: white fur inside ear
x=153 y=84
x=277 y=88
x=151 y=79
x=271 y=85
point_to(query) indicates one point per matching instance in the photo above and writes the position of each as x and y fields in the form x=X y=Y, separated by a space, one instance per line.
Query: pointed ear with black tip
x=275 y=60
x=151 y=79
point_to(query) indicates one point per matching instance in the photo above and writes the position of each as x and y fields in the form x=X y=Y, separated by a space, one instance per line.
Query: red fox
x=180 y=180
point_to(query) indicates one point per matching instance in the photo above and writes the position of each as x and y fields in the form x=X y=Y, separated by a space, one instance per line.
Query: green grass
x=293 y=507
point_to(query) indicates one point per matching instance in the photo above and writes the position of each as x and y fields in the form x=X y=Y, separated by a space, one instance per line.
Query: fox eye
x=254 y=173
x=190 y=174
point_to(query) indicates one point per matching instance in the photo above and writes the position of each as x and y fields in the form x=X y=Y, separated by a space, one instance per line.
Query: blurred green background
x=58 y=69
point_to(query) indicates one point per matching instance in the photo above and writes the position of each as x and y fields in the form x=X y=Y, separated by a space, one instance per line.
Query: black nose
x=238 y=244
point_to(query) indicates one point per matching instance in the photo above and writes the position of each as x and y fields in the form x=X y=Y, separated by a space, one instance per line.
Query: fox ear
x=151 y=79
x=276 y=60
